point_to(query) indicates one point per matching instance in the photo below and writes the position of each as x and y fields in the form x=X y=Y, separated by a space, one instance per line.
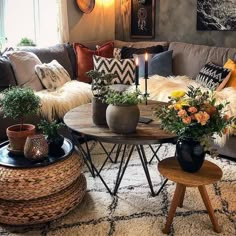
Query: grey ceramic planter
x=122 y=119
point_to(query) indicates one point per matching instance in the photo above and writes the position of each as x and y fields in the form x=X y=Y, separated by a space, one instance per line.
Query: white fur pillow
x=52 y=75
x=23 y=64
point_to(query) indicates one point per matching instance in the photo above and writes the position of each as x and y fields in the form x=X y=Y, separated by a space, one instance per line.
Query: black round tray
x=19 y=161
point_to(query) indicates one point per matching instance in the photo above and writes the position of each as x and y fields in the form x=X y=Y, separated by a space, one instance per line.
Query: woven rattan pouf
x=40 y=210
x=41 y=194
x=31 y=183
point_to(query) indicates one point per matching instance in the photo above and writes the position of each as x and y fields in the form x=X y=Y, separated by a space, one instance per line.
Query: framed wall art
x=216 y=15
x=142 y=19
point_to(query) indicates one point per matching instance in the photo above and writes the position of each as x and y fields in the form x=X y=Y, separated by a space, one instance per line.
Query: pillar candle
x=136 y=72
x=146 y=66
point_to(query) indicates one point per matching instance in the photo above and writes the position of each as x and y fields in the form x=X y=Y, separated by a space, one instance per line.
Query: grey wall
x=175 y=21
x=99 y=25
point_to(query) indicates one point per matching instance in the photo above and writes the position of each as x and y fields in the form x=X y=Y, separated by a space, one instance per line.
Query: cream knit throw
x=56 y=103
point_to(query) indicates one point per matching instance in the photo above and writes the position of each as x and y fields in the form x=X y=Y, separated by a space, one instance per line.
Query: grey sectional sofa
x=188 y=59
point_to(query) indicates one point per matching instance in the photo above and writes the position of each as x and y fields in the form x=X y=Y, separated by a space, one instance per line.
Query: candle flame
x=146 y=56
x=136 y=61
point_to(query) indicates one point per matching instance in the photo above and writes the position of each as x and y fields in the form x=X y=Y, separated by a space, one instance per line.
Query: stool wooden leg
x=182 y=197
x=206 y=200
x=175 y=202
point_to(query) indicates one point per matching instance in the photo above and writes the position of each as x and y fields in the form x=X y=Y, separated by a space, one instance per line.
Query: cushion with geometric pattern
x=213 y=76
x=123 y=68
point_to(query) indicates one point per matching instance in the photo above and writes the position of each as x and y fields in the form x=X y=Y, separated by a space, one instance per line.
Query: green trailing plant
x=50 y=129
x=123 y=98
x=18 y=103
x=100 y=83
x=26 y=42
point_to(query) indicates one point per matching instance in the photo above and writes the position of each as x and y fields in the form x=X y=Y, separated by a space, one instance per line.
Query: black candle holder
x=146 y=94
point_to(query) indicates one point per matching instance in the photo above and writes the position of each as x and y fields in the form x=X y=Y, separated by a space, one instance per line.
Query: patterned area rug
x=134 y=211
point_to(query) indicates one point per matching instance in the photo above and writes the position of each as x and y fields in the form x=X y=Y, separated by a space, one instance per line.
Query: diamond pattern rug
x=134 y=212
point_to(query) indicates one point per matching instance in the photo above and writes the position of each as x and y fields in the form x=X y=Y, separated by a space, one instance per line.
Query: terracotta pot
x=122 y=119
x=17 y=138
x=99 y=111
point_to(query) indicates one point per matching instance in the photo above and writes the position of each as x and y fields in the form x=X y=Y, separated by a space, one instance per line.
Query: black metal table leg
x=154 y=153
x=162 y=186
x=143 y=159
x=120 y=175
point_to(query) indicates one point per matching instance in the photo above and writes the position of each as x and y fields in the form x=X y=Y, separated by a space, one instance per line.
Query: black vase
x=190 y=154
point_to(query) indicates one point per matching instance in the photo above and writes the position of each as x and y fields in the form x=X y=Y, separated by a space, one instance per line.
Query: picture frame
x=142 y=19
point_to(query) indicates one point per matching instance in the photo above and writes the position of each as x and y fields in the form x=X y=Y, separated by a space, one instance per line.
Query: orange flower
x=226 y=131
x=209 y=109
x=192 y=109
x=182 y=113
x=226 y=117
x=202 y=117
x=186 y=120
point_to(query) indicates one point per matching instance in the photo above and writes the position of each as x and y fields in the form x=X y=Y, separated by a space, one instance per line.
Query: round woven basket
x=43 y=209
x=25 y=184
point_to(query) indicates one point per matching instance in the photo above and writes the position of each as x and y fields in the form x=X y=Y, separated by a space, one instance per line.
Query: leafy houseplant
x=100 y=86
x=195 y=117
x=50 y=129
x=26 y=42
x=18 y=103
x=123 y=113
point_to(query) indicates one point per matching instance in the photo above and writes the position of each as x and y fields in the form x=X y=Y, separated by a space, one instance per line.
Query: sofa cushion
x=213 y=77
x=230 y=64
x=127 y=52
x=6 y=73
x=57 y=52
x=52 y=75
x=188 y=59
x=160 y=64
x=123 y=68
x=23 y=64
x=85 y=58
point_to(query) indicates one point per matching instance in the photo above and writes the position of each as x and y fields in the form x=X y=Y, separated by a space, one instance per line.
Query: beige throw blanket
x=56 y=103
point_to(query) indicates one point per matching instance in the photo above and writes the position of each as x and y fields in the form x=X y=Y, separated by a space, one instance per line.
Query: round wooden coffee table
x=79 y=121
x=208 y=174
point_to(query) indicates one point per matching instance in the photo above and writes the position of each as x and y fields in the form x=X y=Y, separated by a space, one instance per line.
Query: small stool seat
x=208 y=174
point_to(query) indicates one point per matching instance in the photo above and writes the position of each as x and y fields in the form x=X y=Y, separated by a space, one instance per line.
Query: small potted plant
x=100 y=86
x=50 y=130
x=18 y=103
x=122 y=114
x=26 y=42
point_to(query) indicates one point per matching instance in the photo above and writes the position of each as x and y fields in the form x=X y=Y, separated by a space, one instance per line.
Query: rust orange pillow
x=84 y=57
x=230 y=64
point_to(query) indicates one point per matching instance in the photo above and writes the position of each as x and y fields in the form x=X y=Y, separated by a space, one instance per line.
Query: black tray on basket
x=19 y=161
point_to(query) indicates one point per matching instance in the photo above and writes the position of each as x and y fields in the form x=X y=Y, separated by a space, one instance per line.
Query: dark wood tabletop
x=79 y=120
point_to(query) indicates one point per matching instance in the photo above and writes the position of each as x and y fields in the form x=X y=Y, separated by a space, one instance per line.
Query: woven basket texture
x=43 y=209
x=25 y=184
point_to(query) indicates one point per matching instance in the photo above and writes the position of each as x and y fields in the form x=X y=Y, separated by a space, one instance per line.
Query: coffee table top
x=79 y=120
x=208 y=174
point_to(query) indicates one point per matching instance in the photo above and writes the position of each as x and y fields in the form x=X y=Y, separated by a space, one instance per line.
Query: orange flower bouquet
x=195 y=115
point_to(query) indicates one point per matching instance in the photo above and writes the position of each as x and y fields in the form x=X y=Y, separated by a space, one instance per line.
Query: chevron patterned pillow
x=123 y=68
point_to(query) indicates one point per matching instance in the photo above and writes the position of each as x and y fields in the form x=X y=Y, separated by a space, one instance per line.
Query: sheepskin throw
x=56 y=103
x=159 y=88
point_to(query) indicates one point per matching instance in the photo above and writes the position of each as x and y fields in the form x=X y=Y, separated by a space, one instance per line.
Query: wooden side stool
x=208 y=174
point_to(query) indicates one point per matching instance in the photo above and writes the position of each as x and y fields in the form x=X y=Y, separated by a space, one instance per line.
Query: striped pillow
x=123 y=68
